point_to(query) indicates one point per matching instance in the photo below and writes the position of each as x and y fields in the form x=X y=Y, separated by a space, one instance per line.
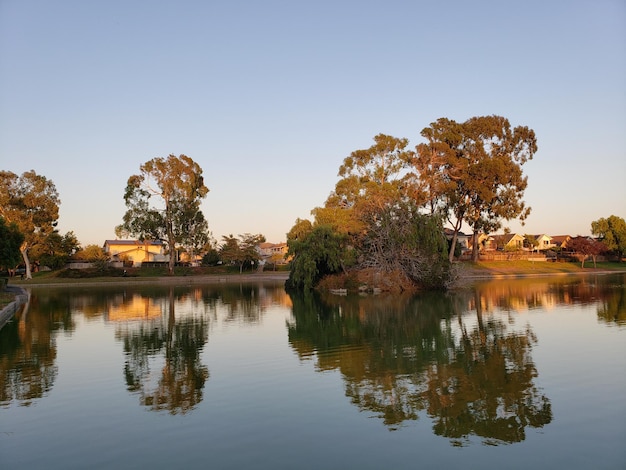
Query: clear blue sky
x=269 y=97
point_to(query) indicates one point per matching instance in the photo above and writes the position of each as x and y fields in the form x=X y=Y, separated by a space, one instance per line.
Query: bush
x=91 y=272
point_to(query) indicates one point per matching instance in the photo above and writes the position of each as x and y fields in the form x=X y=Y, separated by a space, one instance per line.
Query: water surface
x=515 y=374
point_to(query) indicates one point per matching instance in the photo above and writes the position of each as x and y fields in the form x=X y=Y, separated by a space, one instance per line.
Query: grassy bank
x=525 y=267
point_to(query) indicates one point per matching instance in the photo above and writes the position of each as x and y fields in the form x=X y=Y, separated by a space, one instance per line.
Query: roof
x=133 y=242
x=560 y=239
x=506 y=238
x=450 y=232
x=265 y=245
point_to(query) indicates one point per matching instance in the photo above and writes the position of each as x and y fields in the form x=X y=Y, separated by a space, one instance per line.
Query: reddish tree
x=584 y=247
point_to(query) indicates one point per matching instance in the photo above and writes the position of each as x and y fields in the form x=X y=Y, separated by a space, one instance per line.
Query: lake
x=524 y=373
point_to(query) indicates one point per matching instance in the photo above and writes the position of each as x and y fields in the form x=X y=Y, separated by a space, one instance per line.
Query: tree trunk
x=475 y=246
x=24 y=252
x=452 y=247
x=171 y=242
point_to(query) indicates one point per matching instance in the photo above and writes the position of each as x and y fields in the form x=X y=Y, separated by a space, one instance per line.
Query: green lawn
x=535 y=267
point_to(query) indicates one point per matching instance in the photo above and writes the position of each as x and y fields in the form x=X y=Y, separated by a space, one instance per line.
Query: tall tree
x=612 y=232
x=369 y=180
x=31 y=202
x=176 y=184
x=472 y=171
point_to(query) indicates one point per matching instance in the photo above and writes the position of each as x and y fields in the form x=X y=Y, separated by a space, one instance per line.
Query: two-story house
x=135 y=251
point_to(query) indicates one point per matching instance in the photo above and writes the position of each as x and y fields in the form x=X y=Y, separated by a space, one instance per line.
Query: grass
x=6 y=298
x=498 y=268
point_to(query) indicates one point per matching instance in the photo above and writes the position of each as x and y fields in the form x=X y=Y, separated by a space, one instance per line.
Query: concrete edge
x=21 y=297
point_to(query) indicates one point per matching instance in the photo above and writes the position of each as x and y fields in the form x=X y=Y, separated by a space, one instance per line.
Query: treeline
x=162 y=201
x=387 y=211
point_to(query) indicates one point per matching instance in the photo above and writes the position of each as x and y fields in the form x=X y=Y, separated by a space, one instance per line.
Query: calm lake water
x=527 y=373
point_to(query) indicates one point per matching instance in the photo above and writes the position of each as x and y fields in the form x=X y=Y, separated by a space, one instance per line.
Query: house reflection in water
x=135 y=308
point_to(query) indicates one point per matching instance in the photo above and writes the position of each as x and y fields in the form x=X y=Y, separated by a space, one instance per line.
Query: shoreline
x=464 y=278
x=165 y=280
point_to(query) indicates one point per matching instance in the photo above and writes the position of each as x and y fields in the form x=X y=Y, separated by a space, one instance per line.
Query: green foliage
x=370 y=179
x=401 y=239
x=163 y=203
x=99 y=271
x=55 y=251
x=320 y=252
x=192 y=229
x=530 y=241
x=241 y=251
x=31 y=202
x=10 y=240
x=92 y=253
x=471 y=171
x=52 y=261
x=612 y=232
x=211 y=257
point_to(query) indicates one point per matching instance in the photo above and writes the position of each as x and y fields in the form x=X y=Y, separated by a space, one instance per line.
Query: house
x=561 y=241
x=508 y=242
x=273 y=252
x=544 y=242
x=135 y=252
x=462 y=240
x=485 y=242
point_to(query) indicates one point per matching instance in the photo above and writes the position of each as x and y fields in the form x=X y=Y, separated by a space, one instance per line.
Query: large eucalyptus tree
x=31 y=202
x=158 y=198
x=472 y=172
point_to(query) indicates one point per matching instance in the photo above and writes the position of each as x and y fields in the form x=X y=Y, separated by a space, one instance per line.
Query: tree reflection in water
x=28 y=349
x=403 y=355
x=163 y=351
x=178 y=387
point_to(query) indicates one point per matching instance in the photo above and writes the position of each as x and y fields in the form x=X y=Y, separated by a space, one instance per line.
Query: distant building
x=135 y=251
x=544 y=242
x=462 y=240
x=560 y=241
x=508 y=241
x=273 y=252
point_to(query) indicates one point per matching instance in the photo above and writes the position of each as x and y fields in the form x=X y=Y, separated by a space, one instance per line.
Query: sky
x=270 y=97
